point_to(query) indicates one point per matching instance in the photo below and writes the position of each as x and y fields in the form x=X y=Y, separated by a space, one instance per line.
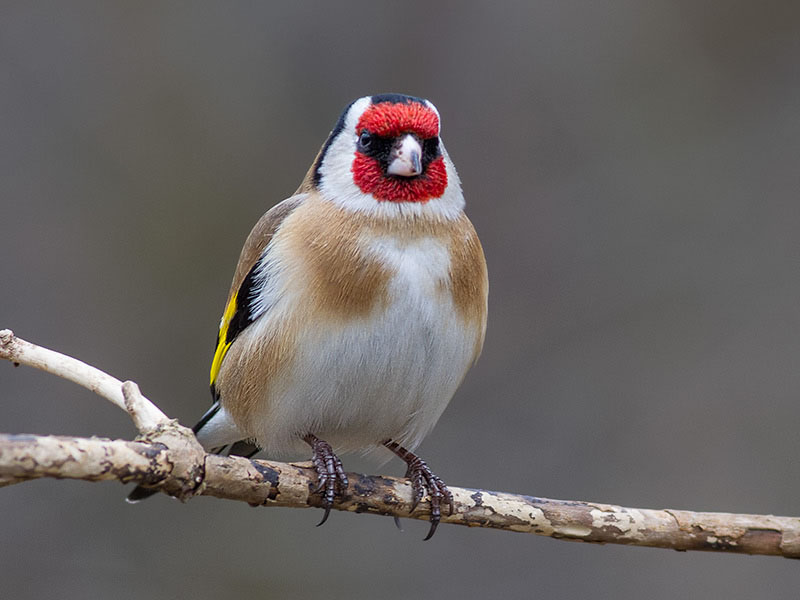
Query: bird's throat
x=371 y=179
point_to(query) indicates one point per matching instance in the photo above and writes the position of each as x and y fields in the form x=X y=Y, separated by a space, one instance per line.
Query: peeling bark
x=266 y=483
x=168 y=456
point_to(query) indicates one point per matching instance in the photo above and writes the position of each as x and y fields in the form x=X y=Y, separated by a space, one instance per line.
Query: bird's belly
x=387 y=375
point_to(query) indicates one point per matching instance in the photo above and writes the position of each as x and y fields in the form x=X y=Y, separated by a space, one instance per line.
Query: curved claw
x=325 y=516
x=332 y=478
x=422 y=480
x=431 y=531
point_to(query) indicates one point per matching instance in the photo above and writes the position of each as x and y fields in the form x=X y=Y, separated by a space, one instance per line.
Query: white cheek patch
x=336 y=176
x=337 y=185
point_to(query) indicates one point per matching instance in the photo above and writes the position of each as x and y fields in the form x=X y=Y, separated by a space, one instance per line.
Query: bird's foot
x=424 y=480
x=332 y=478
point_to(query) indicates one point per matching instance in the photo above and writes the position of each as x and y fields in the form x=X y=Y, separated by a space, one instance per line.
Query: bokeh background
x=632 y=169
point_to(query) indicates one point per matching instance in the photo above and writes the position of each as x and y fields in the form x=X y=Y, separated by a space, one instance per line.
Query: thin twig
x=147 y=415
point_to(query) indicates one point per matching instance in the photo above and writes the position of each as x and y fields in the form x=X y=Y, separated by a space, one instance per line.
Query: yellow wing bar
x=222 y=343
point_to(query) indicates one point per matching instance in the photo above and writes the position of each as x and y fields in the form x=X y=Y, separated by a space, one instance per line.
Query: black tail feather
x=141 y=493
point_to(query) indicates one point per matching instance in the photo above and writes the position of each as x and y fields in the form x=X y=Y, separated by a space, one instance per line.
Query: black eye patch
x=375 y=146
x=380 y=148
x=430 y=150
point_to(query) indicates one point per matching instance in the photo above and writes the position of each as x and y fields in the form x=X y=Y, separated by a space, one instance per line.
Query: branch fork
x=168 y=455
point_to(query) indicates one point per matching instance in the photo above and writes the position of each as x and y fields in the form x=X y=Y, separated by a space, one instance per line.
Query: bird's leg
x=422 y=479
x=332 y=478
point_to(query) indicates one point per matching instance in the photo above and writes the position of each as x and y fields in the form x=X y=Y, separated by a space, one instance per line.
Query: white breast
x=388 y=375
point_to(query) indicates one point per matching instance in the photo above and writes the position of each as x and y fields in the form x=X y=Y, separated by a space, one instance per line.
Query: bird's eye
x=365 y=139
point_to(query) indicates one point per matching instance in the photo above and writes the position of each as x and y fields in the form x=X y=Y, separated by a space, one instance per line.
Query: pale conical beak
x=406 y=158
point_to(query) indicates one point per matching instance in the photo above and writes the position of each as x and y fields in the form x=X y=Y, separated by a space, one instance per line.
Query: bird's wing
x=238 y=310
x=214 y=425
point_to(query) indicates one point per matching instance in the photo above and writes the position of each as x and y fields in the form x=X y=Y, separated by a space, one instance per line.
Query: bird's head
x=385 y=155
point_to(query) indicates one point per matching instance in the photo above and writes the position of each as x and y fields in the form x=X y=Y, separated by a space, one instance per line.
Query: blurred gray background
x=632 y=170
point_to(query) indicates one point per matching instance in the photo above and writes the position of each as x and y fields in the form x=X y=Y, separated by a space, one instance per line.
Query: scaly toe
x=332 y=478
x=422 y=480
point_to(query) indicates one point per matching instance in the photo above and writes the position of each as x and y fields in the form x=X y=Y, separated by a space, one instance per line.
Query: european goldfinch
x=357 y=306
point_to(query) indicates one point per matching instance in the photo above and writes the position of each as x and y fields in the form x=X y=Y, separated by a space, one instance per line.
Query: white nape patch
x=220 y=430
x=337 y=185
x=436 y=110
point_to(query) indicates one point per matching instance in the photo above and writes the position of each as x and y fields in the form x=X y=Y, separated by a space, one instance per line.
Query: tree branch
x=168 y=456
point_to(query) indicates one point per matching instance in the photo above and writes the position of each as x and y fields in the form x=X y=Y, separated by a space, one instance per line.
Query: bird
x=357 y=306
